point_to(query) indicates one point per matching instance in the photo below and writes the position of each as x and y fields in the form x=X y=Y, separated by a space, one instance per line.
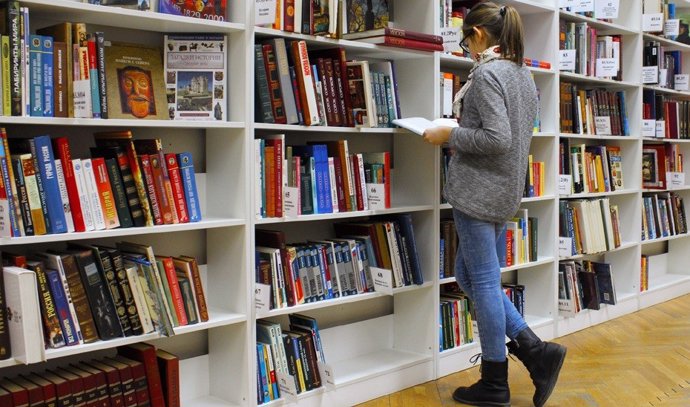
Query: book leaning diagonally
x=418 y=125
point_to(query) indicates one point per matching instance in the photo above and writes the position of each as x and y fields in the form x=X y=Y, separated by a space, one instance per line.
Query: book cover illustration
x=135 y=88
x=132 y=4
x=365 y=15
x=207 y=9
x=195 y=71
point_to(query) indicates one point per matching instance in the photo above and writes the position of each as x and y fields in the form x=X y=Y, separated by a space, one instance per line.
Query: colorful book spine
x=35 y=76
x=92 y=194
x=47 y=50
x=179 y=202
x=8 y=220
x=191 y=195
x=93 y=77
x=83 y=195
x=15 y=57
x=62 y=307
x=105 y=193
x=64 y=197
x=100 y=63
x=56 y=215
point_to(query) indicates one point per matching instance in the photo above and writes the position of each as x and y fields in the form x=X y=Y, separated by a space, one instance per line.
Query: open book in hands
x=418 y=125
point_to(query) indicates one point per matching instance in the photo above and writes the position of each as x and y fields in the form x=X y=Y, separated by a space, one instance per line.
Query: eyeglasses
x=464 y=45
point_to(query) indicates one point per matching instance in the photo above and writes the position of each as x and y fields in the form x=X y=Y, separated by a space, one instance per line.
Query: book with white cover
x=23 y=315
x=418 y=125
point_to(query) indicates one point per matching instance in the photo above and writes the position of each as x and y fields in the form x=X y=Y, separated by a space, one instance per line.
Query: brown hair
x=503 y=26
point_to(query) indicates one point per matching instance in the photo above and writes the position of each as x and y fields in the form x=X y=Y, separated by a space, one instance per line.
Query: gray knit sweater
x=486 y=175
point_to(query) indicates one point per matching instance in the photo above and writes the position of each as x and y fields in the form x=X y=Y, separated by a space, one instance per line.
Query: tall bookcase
x=376 y=344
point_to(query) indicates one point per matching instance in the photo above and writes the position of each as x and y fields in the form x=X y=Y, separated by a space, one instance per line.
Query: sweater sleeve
x=494 y=136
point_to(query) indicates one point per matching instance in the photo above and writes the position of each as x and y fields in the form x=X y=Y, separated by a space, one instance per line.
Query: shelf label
x=262 y=298
x=660 y=131
x=565 y=184
x=82 y=98
x=287 y=385
x=650 y=74
x=327 y=375
x=653 y=22
x=383 y=280
x=649 y=128
x=681 y=82
x=376 y=195
x=582 y=5
x=672 y=28
x=566 y=59
x=675 y=180
x=602 y=125
x=565 y=246
x=291 y=202
x=607 y=67
x=606 y=9
x=663 y=75
x=264 y=12
x=451 y=38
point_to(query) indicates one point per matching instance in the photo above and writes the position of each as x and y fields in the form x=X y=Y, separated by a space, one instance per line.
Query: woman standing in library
x=497 y=107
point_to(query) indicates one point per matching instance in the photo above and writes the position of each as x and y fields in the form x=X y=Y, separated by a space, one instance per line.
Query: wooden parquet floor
x=639 y=360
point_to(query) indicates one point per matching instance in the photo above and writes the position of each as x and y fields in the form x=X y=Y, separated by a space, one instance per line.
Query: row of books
x=592 y=111
x=593 y=225
x=126 y=183
x=670 y=116
x=663 y=215
x=456 y=320
x=295 y=354
x=594 y=168
x=317 y=178
x=591 y=50
x=332 y=268
x=321 y=87
x=87 y=293
x=215 y=10
x=63 y=71
x=517 y=245
x=667 y=9
x=661 y=65
x=535 y=178
x=658 y=160
x=584 y=285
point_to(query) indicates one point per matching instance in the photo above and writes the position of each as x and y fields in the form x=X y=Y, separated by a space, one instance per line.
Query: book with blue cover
x=191 y=195
x=45 y=160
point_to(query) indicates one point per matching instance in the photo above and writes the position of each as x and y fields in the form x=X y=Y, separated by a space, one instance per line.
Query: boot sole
x=482 y=403
x=554 y=378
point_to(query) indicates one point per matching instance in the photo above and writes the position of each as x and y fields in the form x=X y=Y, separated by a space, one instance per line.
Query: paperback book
x=195 y=72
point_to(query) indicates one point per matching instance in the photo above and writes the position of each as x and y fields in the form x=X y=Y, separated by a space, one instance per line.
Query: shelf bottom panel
x=207 y=401
x=374 y=364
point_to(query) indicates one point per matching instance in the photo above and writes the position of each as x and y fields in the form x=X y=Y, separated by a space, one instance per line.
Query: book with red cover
x=34 y=391
x=169 y=367
x=146 y=354
x=179 y=201
x=154 y=147
x=339 y=59
x=47 y=389
x=63 y=389
x=18 y=395
x=151 y=191
x=198 y=287
x=112 y=378
x=174 y=286
x=62 y=151
x=102 y=396
x=76 y=384
x=274 y=90
x=278 y=144
x=105 y=193
x=305 y=82
x=395 y=32
x=139 y=377
x=5 y=398
x=409 y=43
x=128 y=390
x=89 y=385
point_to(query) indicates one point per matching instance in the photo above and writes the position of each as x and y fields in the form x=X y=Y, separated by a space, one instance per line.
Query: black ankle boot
x=491 y=390
x=543 y=360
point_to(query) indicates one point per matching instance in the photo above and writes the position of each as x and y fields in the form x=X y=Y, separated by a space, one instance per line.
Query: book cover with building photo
x=135 y=87
x=195 y=73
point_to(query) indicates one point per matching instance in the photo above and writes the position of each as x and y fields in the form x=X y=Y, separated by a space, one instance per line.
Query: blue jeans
x=478 y=273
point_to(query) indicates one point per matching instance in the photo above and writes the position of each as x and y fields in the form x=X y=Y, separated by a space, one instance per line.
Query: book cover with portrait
x=135 y=86
x=206 y=9
x=195 y=76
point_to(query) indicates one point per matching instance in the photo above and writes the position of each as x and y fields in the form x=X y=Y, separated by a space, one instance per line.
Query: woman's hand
x=437 y=135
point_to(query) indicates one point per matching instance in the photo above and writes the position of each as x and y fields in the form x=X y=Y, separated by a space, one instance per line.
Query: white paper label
x=649 y=128
x=681 y=82
x=660 y=129
x=291 y=202
x=653 y=22
x=383 y=280
x=5 y=226
x=288 y=388
x=451 y=38
x=327 y=375
x=650 y=74
x=671 y=28
x=606 y=9
x=583 y=5
x=376 y=195
x=565 y=184
x=675 y=180
x=82 y=99
x=264 y=12
x=602 y=125
x=262 y=298
x=565 y=246
x=566 y=59
x=607 y=67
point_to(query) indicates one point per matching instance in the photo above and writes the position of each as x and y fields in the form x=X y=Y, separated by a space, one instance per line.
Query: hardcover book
x=366 y=15
x=134 y=78
x=26 y=338
x=195 y=76
x=131 y=4
x=208 y=9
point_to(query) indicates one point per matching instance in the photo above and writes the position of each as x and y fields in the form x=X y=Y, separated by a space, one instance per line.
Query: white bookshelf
x=376 y=344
